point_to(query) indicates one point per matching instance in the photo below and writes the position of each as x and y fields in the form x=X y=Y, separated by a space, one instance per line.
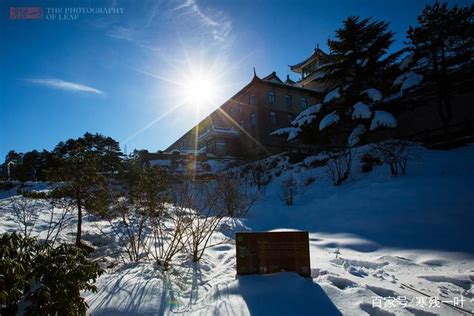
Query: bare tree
x=200 y=205
x=168 y=237
x=233 y=196
x=394 y=153
x=338 y=167
x=26 y=212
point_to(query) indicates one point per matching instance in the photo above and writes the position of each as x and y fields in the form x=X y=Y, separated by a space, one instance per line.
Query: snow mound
x=373 y=94
x=383 y=119
x=361 y=111
x=308 y=161
x=307 y=116
x=334 y=94
x=329 y=119
x=291 y=131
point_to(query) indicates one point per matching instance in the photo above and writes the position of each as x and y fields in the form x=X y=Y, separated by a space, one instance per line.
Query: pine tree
x=360 y=67
x=81 y=164
x=442 y=44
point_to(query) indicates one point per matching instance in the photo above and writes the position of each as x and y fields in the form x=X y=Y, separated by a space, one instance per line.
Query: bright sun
x=200 y=90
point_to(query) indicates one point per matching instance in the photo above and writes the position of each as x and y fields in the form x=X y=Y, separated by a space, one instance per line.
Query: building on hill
x=310 y=71
x=241 y=126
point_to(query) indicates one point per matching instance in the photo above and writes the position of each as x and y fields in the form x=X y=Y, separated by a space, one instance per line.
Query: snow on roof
x=354 y=137
x=373 y=94
x=329 y=119
x=383 y=119
x=307 y=116
x=291 y=131
x=361 y=110
x=334 y=94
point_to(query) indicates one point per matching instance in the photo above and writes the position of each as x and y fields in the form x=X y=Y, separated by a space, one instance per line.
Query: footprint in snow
x=374 y=310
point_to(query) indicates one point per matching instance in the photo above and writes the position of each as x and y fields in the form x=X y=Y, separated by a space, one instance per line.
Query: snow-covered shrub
x=259 y=178
x=395 y=153
x=288 y=190
x=338 y=167
x=44 y=280
x=369 y=161
x=233 y=196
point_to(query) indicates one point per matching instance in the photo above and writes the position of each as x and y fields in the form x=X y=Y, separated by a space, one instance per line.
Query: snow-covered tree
x=360 y=73
x=440 y=45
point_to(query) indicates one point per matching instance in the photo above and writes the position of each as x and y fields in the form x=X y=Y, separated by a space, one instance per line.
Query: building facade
x=241 y=127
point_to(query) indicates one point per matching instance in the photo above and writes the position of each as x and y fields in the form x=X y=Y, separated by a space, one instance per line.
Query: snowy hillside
x=368 y=236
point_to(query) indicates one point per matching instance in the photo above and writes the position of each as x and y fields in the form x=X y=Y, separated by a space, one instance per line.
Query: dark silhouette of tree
x=442 y=44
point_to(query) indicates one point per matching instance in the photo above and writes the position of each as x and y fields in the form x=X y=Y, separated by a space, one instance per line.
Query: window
x=253 y=119
x=288 y=100
x=231 y=112
x=242 y=124
x=251 y=99
x=271 y=97
x=290 y=118
x=241 y=107
x=273 y=117
x=304 y=103
x=220 y=148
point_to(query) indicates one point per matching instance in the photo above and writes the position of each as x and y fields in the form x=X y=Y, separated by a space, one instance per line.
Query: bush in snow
x=338 y=167
x=369 y=161
x=27 y=210
x=233 y=196
x=288 y=190
x=42 y=279
x=395 y=153
x=259 y=177
x=199 y=205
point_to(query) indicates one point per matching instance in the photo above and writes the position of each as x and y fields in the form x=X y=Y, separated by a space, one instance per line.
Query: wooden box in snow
x=271 y=252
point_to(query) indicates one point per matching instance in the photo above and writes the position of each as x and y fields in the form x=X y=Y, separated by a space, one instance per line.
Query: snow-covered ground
x=368 y=238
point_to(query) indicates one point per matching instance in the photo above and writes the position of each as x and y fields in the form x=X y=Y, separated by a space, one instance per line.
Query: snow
x=291 y=131
x=406 y=62
x=329 y=119
x=354 y=137
x=334 y=94
x=361 y=111
x=306 y=116
x=308 y=161
x=383 y=119
x=367 y=237
x=408 y=80
x=373 y=94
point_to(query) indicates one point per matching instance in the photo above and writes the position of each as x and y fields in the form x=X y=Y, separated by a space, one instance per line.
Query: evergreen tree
x=81 y=164
x=360 y=72
x=442 y=44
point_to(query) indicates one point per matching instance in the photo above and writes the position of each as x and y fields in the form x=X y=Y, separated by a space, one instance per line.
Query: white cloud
x=218 y=23
x=65 y=85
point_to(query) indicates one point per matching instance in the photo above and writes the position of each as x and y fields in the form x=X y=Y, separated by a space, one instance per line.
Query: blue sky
x=126 y=74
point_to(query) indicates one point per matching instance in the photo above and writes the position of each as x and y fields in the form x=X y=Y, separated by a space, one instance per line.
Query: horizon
x=129 y=71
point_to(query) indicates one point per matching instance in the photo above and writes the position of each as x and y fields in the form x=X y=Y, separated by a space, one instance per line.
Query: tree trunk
x=79 y=223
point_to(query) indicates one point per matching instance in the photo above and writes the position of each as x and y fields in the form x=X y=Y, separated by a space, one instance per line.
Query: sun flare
x=200 y=91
